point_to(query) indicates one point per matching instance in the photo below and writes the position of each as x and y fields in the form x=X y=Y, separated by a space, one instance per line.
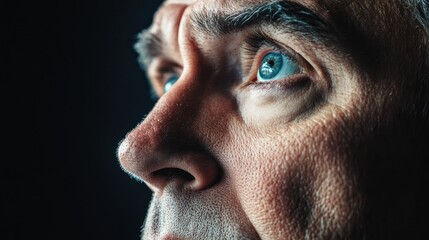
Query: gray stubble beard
x=196 y=215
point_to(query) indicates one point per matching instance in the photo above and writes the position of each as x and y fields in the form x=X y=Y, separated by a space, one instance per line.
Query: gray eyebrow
x=294 y=17
x=148 y=47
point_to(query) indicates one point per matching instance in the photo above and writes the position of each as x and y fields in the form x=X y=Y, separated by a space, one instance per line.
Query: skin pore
x=308 y=155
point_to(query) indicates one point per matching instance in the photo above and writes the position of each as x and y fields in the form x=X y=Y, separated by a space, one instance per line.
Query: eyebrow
x=148 y=46
x=294 y=17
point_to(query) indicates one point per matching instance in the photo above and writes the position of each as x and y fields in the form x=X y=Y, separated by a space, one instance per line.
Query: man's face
x=264 y=112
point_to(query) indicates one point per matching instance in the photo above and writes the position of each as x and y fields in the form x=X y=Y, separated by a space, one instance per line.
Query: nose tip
x=187 y=169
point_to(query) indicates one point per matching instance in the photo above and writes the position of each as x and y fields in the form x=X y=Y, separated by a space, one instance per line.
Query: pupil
x=270 y=66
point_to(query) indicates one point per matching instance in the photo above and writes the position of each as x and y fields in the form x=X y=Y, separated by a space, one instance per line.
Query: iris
x=276 y=66
x=170 y=82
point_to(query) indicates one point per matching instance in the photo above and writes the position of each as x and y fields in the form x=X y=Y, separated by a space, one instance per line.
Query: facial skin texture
x=317 y=155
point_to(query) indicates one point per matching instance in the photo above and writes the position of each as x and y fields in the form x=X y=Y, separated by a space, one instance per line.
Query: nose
x=166 y=148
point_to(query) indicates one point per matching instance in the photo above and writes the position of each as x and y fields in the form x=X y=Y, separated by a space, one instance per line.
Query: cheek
x=294 y=180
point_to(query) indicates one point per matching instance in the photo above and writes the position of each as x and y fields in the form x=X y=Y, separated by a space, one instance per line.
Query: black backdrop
x=71 y=90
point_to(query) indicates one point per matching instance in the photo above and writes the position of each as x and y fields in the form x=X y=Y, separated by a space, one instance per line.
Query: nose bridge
x=162 y=131
x=166 y=146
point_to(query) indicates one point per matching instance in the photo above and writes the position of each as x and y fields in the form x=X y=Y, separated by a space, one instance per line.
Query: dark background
x=71 y=90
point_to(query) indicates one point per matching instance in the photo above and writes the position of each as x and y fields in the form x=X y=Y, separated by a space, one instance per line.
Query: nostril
x=169 y=174
x=192 y=171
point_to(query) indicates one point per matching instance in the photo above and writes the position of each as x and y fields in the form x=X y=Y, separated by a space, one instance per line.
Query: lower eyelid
x=296 y=81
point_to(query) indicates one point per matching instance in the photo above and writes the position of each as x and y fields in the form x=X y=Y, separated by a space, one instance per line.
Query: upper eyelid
x=165 y=66
x=285 y=50
x=162 y=68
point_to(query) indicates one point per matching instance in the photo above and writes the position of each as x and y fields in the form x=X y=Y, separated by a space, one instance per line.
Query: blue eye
x=170 y=82
x=275 y=66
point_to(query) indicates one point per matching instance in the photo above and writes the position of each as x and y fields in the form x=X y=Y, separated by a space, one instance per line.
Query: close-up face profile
x=300 y=119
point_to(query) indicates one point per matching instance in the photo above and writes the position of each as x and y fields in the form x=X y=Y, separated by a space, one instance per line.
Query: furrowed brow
x=148 y=47
x=294 y=17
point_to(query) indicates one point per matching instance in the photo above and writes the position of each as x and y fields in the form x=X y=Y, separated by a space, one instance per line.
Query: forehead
x=316 y=5
x=372 y=17
x=364 y=25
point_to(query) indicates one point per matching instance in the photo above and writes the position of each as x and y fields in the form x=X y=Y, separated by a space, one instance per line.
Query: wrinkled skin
x=313 y=156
